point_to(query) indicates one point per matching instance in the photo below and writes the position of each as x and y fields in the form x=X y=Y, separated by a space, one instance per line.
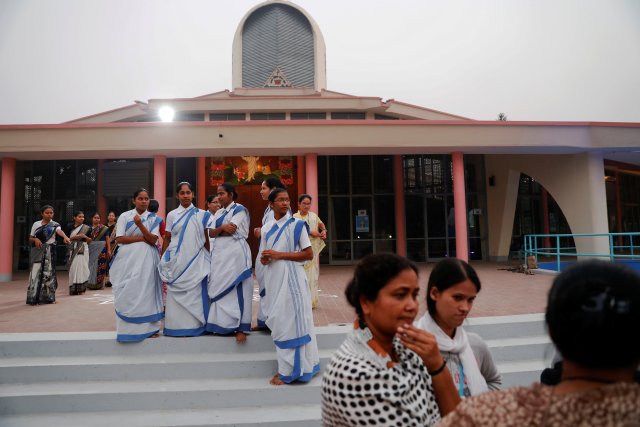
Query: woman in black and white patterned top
x=387 y=372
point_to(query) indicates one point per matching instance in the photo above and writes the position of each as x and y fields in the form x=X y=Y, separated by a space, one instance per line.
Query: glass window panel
x=475 y=249
x=340 y=251
x=309 y=116
x=65 y=178
x=436 y=216
x=366 y=222
x=385 y=217
x=362 y=249
x=451 y=217
x=386 y=246
x=383 y=174
x=189 y=117
x=416 y=250
x=452 y=248
x=414 y=215
x=87 y=179
x=339 y=218
x=437 y=248
x=322 y=175
x=361 y=174
x=339 y=174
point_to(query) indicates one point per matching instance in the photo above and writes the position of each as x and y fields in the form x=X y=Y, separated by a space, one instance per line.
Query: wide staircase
x=87 y=379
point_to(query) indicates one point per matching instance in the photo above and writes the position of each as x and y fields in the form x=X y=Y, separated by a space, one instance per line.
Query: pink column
x=398 y=191
x=102 y=202
x=7 y=207
x=160 y=183
x=201 y=200
x=460 y=206
x=311 y=172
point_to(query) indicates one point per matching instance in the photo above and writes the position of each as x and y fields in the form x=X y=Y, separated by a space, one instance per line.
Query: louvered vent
x=277 y=36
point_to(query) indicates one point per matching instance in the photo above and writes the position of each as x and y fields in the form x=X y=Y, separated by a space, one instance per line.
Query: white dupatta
x=459 y=344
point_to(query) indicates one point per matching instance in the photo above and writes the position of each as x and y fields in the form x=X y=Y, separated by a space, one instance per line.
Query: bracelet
x=439 y=370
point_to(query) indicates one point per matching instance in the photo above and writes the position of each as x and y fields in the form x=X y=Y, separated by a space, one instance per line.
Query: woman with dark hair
x=284 y=247
x=451 y=292
x=185 y=265
x=78 y=261
x=387 y=372
x=98 y=249
x=43 y=281
x=268 y=185
x=317 y=234
x=111 y=233
x=137 y=292
x=593 y=318
x=230 y=283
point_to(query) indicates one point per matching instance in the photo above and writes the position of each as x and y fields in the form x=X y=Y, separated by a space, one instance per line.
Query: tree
x=502 y=117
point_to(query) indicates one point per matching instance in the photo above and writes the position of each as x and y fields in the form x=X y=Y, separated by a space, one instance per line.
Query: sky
x=539 y=60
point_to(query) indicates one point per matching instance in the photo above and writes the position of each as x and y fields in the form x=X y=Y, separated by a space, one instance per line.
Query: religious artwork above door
x=246 y=170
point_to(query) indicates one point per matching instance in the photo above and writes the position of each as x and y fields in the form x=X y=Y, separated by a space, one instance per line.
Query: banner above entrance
x=250 y=169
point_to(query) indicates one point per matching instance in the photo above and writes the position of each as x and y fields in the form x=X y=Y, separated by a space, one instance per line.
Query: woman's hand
x=66 y=240
x=323 y=234
x=268 y=255
x=423 y=344
x=229 y=228
x=37 y=242
x=257 y=232
x=137 y=219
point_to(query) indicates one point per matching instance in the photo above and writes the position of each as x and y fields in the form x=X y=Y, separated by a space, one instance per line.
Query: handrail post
x=558 y=253
x=611 y=250
x=535 y=243
x=631 y=244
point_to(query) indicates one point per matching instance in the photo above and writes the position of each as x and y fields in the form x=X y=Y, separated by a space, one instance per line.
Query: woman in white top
x=184 y=266
x=137 y=290
x=42 y=279
x=451 y=291
x=78 y=261
x=230 y=282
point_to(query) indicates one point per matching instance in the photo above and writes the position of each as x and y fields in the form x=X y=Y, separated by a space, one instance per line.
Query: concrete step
x=104 y=343
x=153 y=367
x=517 y=349
x=501 y=327
x=521 y=373
x=250 y=416
x=97 y=396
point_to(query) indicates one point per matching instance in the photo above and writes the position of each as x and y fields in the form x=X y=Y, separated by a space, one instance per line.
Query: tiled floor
x=503 y=292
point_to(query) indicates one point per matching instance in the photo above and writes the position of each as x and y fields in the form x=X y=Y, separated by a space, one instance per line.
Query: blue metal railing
x=630 y=251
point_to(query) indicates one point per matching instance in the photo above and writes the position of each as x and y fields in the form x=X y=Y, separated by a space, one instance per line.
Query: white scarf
x=459 y=344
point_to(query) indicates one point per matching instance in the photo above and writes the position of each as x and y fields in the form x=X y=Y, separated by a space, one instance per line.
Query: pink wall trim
x=312 y=122
x=398 y=190
x=311 y=173
x=160 y=183
x=460 y=206
x=7 y=209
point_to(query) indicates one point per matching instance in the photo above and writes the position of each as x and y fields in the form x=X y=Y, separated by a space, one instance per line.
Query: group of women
x=88 y=251
x=393 y=370
x=206 y=264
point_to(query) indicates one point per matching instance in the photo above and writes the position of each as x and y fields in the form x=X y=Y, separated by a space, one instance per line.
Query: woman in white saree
x=317 y=235
x=268 y=185
x=78 y=261
x=230 y=282
x=184 y=267
x=284 y=247
x=137 y=290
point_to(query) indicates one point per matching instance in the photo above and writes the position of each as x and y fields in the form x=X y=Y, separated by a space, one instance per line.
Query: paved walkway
x=503 y=293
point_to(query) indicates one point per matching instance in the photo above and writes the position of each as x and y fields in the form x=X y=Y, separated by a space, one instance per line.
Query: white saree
x=289 y=300
x=312 y=267
x=259 y=268
x=230 y=282
x=184 y=267
x=137 y=290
